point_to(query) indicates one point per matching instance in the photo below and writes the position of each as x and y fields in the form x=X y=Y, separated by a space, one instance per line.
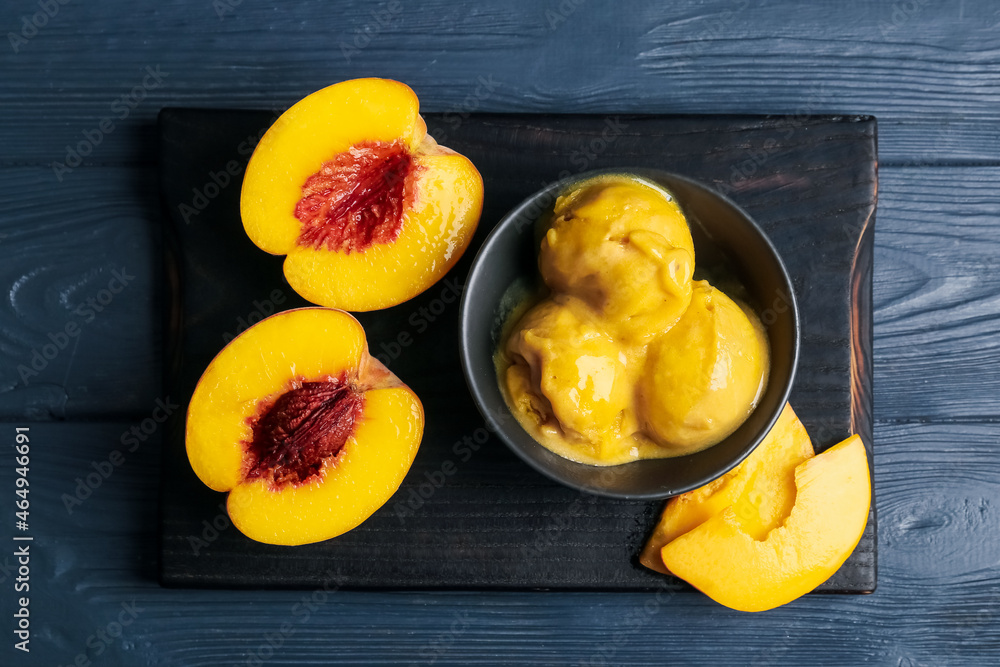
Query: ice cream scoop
x=569 y=377
x=628 y=358
x=705 y=375
x=504 y=282
x=622 y=246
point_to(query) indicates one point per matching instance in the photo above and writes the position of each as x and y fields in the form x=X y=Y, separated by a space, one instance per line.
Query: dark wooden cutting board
x=470 y=514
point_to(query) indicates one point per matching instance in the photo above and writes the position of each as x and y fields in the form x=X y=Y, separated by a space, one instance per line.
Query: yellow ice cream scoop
x=628 y=358
x=623 y=246
x=568 y=373
x=705 y=375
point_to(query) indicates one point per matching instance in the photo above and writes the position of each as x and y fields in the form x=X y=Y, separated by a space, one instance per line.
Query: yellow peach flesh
x=723 y=560
x=308 y=345
x=761 y=489
x=436 y=224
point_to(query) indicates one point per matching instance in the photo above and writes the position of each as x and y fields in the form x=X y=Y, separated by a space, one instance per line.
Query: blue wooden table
x=81 y=348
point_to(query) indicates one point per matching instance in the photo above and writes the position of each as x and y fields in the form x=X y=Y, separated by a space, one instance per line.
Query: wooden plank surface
x=937 y=495
x=928 y=70
x=80 y=331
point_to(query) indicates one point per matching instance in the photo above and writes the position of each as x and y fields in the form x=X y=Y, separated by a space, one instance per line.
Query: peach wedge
x=830 y=513
x=761 y=490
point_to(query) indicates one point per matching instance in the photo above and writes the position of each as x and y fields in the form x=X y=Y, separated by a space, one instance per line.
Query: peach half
x=368 y=209
x=306 y=430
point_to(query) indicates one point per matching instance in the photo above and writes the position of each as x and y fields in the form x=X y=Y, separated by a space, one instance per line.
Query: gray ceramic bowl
x=729 y=248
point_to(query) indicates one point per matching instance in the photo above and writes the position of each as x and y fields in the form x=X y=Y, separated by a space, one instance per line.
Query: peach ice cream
x=628 y=358
x=705 y=375
x=624 y=247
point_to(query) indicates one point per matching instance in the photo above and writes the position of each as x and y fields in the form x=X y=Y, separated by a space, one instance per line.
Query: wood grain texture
x=936 y=226
x=937 y=295
x=80 y=325
x=930 y=71
x=937 y=602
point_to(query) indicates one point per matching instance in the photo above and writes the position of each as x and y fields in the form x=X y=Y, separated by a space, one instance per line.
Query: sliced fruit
x=724 y=561
x=761 y=490
x=306 y=430
x=368 y=208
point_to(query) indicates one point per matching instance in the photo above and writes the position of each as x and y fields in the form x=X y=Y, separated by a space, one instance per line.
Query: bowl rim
x=498 y=428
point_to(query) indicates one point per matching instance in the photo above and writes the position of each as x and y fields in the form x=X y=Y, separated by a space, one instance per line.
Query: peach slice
x=735 y=569
x=306 y=430
x=761 y=490
x=368 y=208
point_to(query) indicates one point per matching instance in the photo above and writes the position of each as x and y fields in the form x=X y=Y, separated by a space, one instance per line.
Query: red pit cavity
x=302 y=428
x=357 y=199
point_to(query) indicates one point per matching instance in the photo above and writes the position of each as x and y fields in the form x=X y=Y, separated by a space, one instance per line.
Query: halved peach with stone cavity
x=306 y=430
x=368 y=208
